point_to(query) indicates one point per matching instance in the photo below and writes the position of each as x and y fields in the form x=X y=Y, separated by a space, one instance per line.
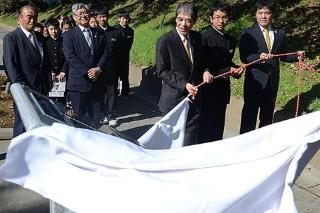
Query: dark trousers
x=255 y=98
x=18 y=127
x=123 y=73
x=192 y=125
x=212 y=120
x=87 y=105
x=109 y=103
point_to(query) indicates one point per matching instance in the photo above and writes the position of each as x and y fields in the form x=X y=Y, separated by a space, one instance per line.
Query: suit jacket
x=125 y=40
x=218 y=54
x=23 y=62
x=175 y=68
x=80 y=59
x=113 y=37
x=55 y=57
x=252 y=44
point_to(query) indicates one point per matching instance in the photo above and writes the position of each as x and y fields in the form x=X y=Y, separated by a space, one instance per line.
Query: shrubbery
x=9 y=6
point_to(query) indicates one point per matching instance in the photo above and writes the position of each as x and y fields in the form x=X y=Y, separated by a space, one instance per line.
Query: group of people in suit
x=185 y=58
x=89 y=58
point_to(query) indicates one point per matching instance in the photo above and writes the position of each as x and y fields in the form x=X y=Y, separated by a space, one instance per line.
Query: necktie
x=186 y=47
x=32 y=40
x=267 y=39
x=87 y=36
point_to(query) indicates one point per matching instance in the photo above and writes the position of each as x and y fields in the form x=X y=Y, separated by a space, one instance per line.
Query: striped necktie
x=267 y=38
x=87 y=36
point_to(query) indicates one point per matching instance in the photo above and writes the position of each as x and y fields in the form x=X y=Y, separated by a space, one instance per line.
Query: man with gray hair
x=23 y=56
x=85 y=50
x=179 y=64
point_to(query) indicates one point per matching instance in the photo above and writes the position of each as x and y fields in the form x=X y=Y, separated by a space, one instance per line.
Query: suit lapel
x=194 y=48
x=39 y=49
x=95 y=42
x=83 y=40
x=32 y=50
x=261 y=39
x=275 y=41
x=181 y=48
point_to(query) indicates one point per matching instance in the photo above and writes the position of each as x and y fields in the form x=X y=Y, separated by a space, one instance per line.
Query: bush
x=10 y=6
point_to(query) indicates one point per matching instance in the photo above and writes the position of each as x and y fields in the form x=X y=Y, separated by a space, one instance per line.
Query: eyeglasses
x=225 y=19
x=82 y=14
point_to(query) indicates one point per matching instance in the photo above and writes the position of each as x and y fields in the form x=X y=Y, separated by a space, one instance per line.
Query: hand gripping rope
x=301 y=66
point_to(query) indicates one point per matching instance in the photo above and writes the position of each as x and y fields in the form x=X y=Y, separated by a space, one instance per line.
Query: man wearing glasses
x=85 y=50
x=219 y=49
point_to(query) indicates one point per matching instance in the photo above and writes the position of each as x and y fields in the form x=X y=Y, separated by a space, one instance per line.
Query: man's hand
x=266 y=56
x=301 y=55
x=236 y=71
x=207 y=77
x=191 y=89
x=61 y=76
x=94 y=73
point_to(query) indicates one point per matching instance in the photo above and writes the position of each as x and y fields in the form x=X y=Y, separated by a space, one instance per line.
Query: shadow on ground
x=306 y=99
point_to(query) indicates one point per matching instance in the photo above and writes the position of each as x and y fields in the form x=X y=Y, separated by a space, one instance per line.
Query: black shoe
x=124 y=95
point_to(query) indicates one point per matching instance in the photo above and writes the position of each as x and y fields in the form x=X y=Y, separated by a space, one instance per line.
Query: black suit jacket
x=175 y=69
x=80 y=59
x=252 y=44
x=218 y=54
x=125 y=40
x=23 y=63
x=55 y=58
x=113 y=37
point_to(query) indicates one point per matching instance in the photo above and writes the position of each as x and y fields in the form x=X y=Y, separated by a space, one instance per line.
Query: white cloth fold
x=88 y=171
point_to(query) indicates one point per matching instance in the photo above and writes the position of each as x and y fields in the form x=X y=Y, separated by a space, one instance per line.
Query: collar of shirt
x=83 y=28
x=182 y=37
x=221 y=33
x=54 y=39
x=27 y=33
x=104 y=28
x=269 y=28
x=271 y=33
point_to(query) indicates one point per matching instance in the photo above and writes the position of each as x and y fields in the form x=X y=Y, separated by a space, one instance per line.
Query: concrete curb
x=6 y=133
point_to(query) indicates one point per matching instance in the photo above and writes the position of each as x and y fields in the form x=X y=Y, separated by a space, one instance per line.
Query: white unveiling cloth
x=88 y=171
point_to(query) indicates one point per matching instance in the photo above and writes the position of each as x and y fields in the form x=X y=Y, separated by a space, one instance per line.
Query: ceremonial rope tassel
x=301 y=66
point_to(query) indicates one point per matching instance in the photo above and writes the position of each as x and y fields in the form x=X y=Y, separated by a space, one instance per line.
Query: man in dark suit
x=261 y=41
x=85 y=50
x=122 y=51
x=113 y=37
x=179 y=64
x=219 y=49
x=23 y=56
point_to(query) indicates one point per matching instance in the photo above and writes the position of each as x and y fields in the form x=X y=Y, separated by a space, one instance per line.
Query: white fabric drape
x=88 y=171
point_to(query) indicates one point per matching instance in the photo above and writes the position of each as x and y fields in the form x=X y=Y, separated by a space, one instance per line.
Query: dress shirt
x=33 y=40
x=189 y=43
x=271 y=34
